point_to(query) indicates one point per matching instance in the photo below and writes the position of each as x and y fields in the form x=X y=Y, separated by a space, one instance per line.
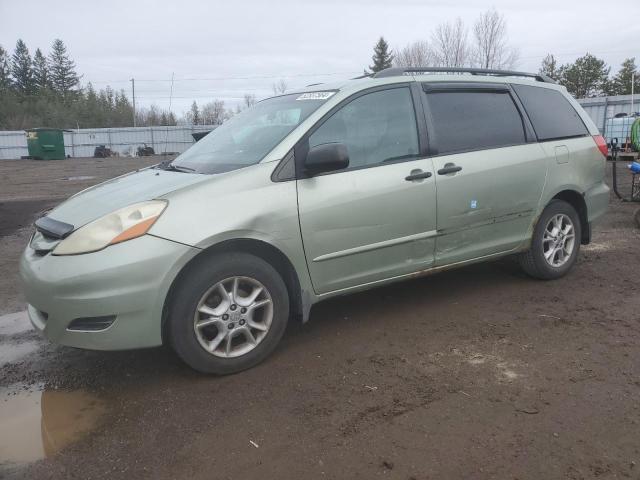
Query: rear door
x=490 y=172
x=377 y=218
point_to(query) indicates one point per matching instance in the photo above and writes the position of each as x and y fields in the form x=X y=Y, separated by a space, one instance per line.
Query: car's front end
x=107 y=300
x=98 y=270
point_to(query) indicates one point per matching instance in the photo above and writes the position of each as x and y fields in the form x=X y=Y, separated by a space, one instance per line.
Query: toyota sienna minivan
x=315 y=193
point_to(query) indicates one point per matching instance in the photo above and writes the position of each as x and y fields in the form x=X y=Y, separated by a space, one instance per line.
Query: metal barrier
x=124 y=141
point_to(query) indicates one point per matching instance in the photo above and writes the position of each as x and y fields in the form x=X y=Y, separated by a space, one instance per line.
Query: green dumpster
x=45 y=143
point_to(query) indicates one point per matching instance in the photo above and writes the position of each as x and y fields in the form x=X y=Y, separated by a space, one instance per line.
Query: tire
x=194 y=343
x=534 y=261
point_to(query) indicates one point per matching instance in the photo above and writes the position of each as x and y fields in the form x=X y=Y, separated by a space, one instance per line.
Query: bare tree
x=213 y=113
x=450 y=45
x=279 y=87
x=249 y=100
x=491 y=49
x=416 y=54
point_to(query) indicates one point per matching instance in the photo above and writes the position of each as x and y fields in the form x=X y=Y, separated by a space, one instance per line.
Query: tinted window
x=376 y=127
x=550 y=113
x=465 y=121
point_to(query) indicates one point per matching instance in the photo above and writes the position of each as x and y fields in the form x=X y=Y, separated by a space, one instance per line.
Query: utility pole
x=633 y=82
x=133 y=90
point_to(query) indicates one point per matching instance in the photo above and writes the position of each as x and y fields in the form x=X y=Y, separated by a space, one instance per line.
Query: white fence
x=125 y=141
x=602 y=108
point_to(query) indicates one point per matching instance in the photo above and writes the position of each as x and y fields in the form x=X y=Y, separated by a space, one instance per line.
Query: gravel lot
x=476 y=373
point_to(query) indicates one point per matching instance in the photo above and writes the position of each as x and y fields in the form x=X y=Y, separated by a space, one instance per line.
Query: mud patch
x=598 y=247
x=37 y=423
x=17 y=214
x=13 y=352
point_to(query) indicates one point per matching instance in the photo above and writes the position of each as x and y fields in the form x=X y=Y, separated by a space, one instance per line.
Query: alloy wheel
x=233 y=317
x=558 y=240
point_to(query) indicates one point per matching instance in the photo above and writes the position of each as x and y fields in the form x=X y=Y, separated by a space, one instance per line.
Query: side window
x=551 y=114
x=377 y=127
x=474 y=120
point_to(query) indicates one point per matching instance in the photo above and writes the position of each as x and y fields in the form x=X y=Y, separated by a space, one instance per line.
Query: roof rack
x=397 y=71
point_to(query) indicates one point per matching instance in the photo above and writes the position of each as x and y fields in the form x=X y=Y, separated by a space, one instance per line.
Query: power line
x=248 y=77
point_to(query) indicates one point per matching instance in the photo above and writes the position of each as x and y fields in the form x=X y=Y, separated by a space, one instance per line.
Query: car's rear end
x=575 y=148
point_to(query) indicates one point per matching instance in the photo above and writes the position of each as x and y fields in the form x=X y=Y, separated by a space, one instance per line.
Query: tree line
x=45 y=90
x=486 y=45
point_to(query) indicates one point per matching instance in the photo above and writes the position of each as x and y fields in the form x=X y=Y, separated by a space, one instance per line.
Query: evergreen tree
x=193 y=116
x=21 y=69
x=587 y=77
x=40 y=71
x=621 y=83
x=64 y=78
x=382 y=57
x=549 y=67
x=5 y=70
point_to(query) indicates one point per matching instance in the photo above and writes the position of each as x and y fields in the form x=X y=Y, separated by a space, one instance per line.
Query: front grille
x=91 y=324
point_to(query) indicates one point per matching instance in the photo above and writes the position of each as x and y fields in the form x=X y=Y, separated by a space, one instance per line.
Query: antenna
x=166 y=138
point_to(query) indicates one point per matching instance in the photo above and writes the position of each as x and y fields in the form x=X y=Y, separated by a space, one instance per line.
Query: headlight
x=122 y=225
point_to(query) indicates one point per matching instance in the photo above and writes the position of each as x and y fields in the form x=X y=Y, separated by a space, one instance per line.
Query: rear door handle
x=417 y=175
x=449 y=168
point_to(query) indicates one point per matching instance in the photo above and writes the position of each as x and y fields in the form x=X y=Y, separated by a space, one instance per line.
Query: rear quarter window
x=551 y=114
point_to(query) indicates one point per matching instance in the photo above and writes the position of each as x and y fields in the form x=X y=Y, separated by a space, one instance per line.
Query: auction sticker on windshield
x=315 y=96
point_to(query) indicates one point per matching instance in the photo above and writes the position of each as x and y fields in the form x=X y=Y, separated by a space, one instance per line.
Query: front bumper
x=129 y=280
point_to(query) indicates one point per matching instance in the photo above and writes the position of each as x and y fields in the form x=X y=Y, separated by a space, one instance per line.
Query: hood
x=119 y=192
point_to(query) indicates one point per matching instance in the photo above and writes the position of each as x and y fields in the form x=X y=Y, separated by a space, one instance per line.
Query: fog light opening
x=91 y=324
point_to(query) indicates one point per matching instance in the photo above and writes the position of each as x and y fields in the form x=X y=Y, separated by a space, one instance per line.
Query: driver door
x=375 y=219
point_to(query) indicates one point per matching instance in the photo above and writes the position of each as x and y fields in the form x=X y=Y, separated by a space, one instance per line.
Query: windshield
x=246 y=138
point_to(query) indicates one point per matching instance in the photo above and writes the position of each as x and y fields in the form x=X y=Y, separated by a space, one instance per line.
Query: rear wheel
x=228 y=313
x=555 y=244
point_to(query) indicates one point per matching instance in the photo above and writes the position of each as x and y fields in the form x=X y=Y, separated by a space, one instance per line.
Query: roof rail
x=398 y=71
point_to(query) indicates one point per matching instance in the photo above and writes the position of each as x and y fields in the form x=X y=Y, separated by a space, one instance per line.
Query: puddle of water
x=80 y=177
x=38 y=423
x=11 y=352
x=14 y=323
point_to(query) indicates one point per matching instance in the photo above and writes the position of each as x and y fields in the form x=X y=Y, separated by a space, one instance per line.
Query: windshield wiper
x=175 y=168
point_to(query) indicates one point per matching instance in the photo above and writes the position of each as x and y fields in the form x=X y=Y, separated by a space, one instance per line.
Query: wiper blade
x=175 y=168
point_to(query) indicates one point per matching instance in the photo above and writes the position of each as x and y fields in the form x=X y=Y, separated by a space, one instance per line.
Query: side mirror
x=327 y=157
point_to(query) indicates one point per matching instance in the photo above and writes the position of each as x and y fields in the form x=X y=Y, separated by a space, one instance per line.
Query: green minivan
x=326 y=191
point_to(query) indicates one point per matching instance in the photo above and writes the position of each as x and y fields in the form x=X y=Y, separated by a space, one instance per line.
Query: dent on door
x=488 y=206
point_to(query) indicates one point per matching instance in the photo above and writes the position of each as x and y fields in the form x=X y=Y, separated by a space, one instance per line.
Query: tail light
x=602 y=145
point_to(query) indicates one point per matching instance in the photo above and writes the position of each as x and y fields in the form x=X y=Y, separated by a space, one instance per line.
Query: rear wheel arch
x=272 y=255
x=576 y=200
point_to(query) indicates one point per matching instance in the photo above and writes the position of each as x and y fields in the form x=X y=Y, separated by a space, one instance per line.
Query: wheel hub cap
x=558 y=241
x=233 y=317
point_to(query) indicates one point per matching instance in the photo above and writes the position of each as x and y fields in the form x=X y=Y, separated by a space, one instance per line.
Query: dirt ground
x=476 y=373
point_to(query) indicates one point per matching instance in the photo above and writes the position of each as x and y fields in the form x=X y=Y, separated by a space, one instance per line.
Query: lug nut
x=233 y=307
x=230 y=326
x=241 y=322
x=243 y=310
x=225 y=317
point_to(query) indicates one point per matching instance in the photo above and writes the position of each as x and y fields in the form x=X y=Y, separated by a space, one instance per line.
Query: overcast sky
x=222 y=49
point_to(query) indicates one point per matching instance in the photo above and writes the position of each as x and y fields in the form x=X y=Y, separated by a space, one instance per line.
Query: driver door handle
x=417 y=175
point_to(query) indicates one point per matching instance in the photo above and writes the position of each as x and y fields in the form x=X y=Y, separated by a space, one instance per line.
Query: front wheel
x=228 y=314
x=555 y=244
